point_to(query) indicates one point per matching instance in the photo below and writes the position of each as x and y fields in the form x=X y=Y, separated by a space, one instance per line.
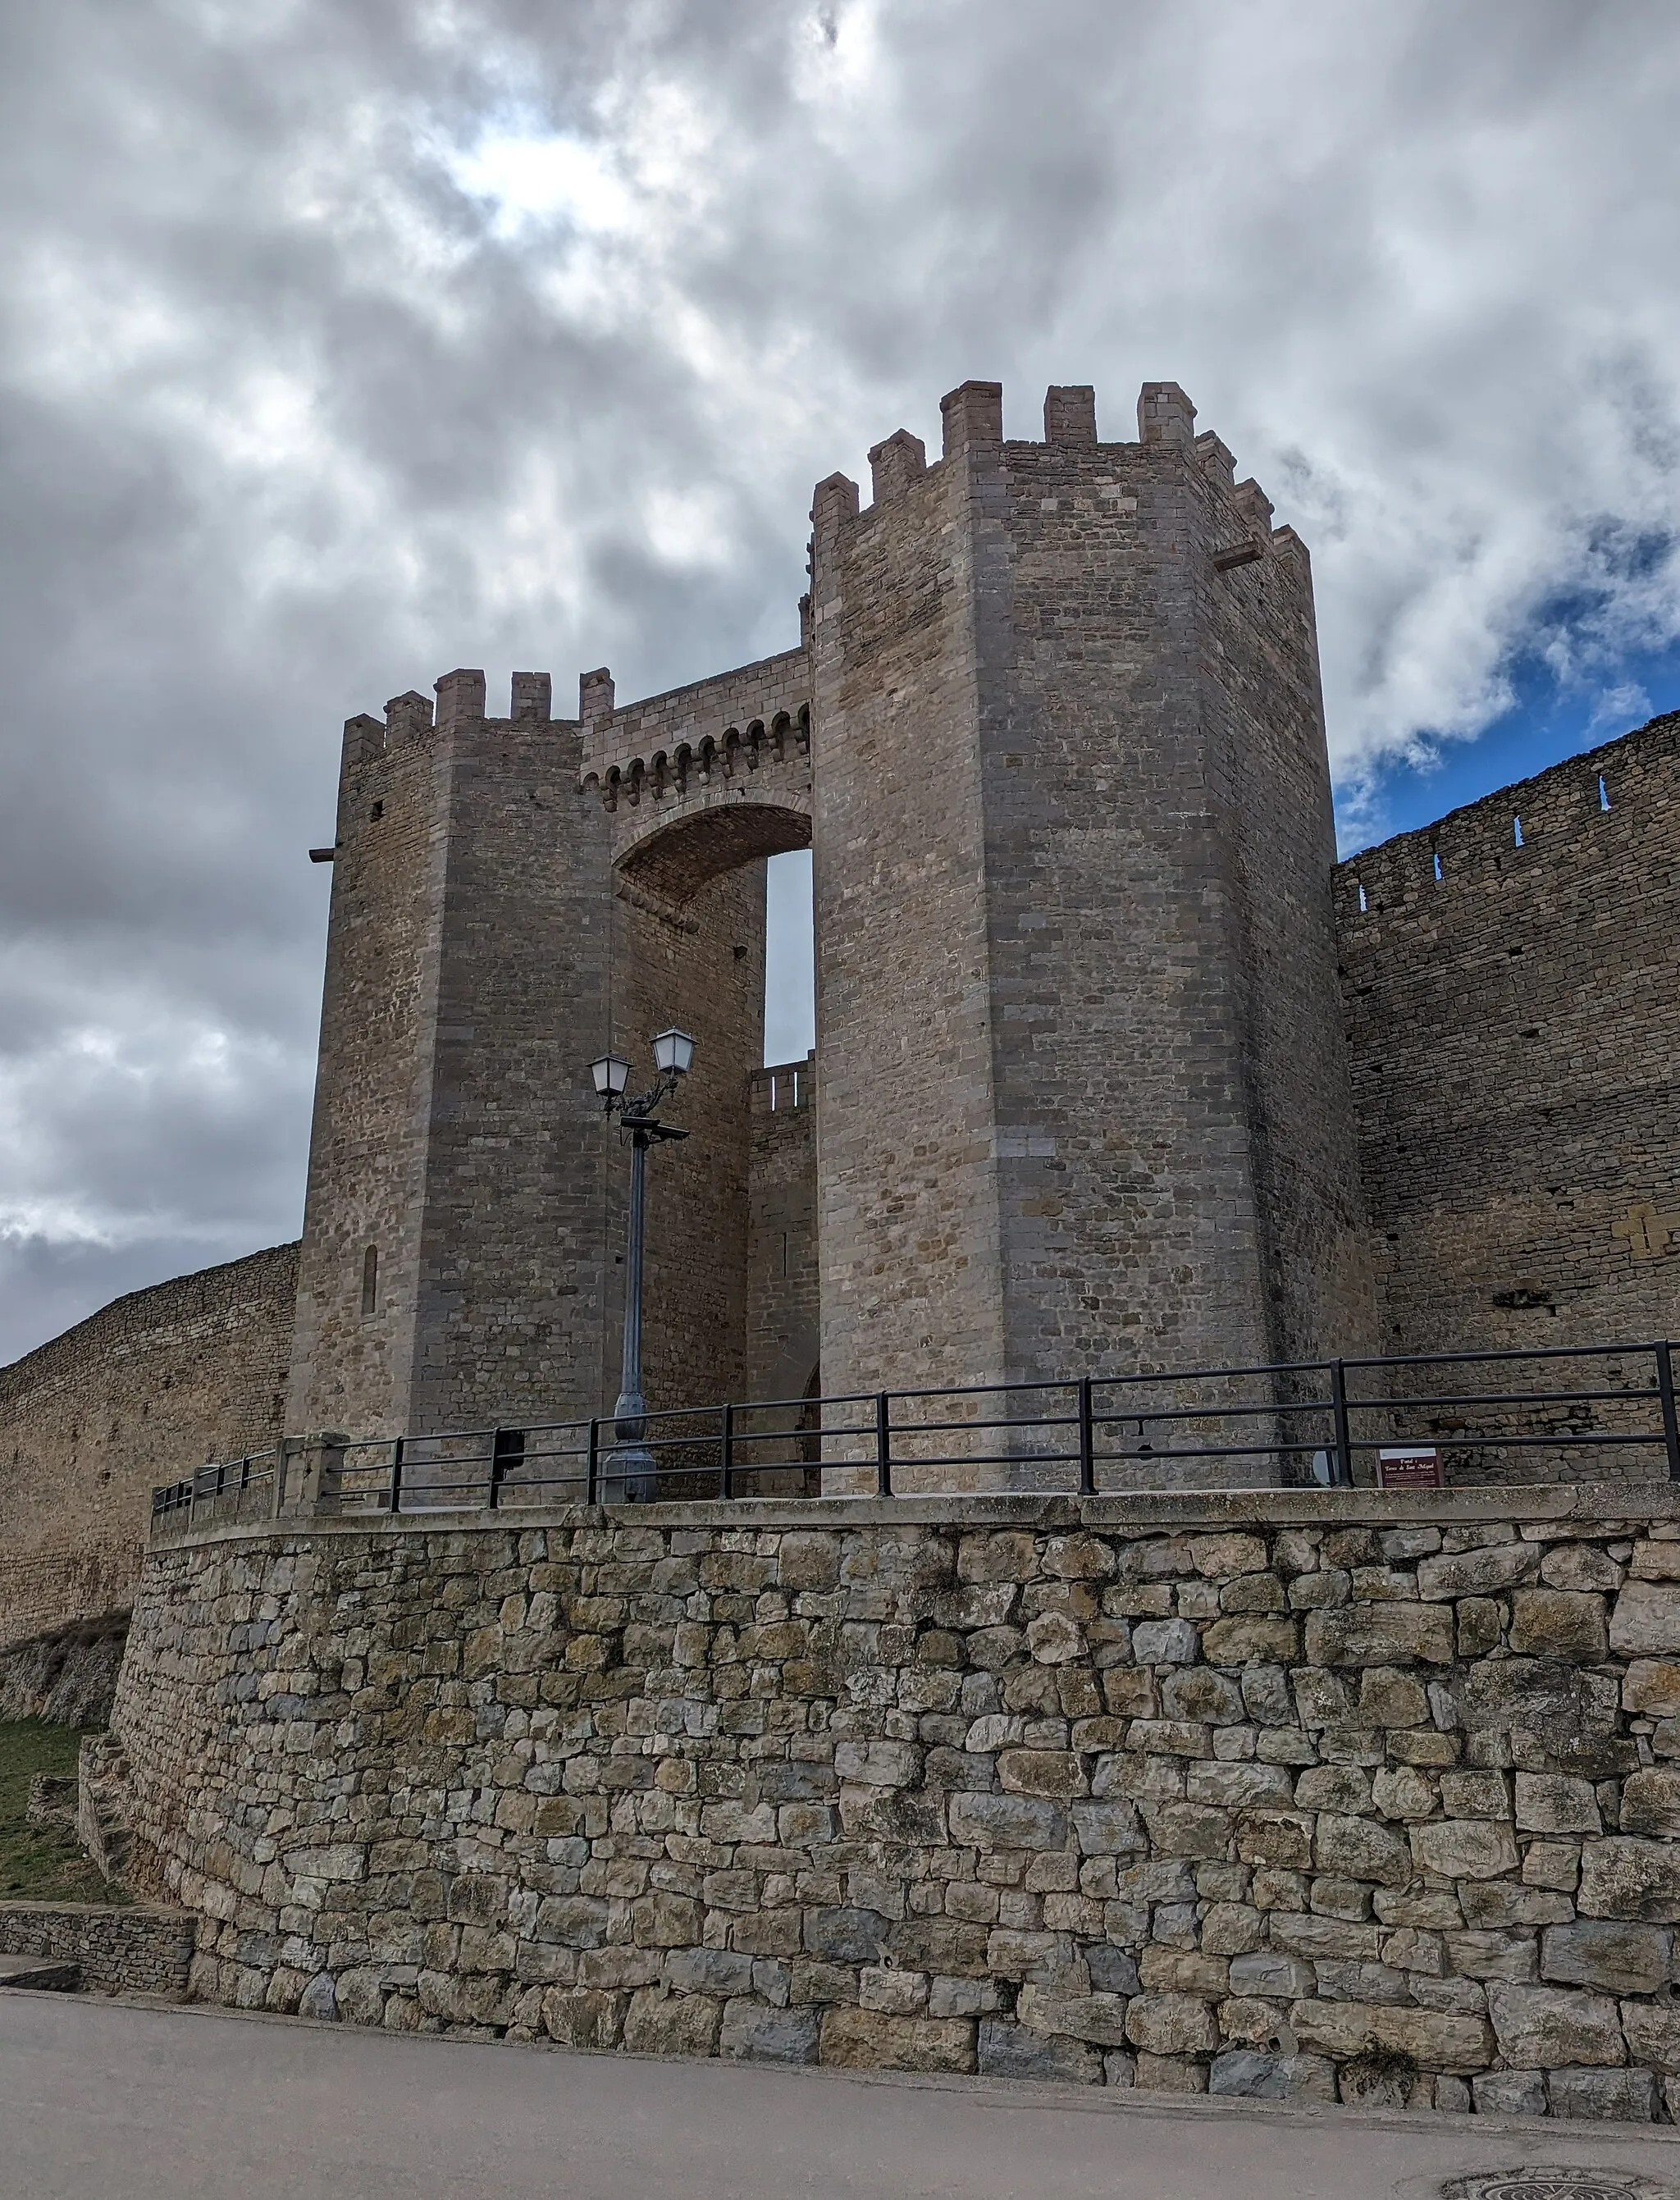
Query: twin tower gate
x=1054 y=733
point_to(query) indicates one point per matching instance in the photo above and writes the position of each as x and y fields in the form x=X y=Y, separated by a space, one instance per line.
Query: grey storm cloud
x=344 y=341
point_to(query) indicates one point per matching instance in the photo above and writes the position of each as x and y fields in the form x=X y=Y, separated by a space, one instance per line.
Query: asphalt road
x=103 y=2100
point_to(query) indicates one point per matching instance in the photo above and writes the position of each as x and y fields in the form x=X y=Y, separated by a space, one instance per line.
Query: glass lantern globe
x=673 y=1052
x=611 y=1073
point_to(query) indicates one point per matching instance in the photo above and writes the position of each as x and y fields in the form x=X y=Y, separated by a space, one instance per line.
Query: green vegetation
x=41 y=1863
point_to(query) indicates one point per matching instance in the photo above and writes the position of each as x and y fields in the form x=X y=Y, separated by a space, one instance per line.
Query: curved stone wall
x=140 y=1393
x=1302 y=1795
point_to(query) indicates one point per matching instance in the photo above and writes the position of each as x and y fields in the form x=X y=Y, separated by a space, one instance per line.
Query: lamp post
x=638 y=1120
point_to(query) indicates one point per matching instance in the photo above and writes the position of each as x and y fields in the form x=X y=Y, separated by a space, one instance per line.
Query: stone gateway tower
x=1054 y=733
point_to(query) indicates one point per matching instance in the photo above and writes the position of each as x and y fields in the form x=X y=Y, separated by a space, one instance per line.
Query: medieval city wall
x=1301 y=1795
x=1511 y=977
x=138 y=1394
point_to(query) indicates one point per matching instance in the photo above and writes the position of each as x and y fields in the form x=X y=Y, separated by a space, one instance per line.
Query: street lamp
x=638 y=1120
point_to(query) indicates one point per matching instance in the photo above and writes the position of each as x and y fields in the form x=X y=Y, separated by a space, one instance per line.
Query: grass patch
x=41 y=1863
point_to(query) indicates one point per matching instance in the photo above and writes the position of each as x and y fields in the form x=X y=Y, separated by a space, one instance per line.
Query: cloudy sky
x=346 y=341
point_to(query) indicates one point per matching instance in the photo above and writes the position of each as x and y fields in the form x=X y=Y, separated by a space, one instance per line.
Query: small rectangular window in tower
x=1435 y=854
x=1517 y=831
x=370 y=1280
x=1603 y=794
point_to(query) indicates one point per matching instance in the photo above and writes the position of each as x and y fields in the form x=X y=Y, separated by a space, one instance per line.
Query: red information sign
x=1408 y=1466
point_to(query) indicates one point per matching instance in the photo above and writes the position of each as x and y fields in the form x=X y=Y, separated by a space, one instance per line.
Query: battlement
x=972 y=418
x=693 y=736
x=1508 y=833
x=461 y=697
x=783 y=1087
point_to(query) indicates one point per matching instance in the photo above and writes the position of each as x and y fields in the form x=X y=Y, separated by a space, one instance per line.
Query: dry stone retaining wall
x=137 y=1950
x=1299 y=1795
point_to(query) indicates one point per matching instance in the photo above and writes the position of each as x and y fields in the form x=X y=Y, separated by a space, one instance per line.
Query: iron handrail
x=723 y=1445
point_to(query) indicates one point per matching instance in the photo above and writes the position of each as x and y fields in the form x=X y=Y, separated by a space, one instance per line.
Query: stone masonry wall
x=136 y=1394
x=116 y=1951
x=1301 y=1795
x=782 y=1339
x=1514 y=1022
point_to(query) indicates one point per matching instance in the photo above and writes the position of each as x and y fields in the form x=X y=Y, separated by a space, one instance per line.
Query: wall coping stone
x=1142 y=1509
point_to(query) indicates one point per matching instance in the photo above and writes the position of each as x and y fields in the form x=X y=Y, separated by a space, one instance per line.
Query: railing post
x=726 y=1470
x=1338 y=1413
x=1671 y=1421
x=396 y=1475
x=498 y=1468
x=592 y=1464
x=1087 y=1442
x=883 y=1445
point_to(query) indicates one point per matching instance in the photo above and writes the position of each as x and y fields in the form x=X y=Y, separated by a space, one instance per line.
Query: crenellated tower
x=1085 y=1098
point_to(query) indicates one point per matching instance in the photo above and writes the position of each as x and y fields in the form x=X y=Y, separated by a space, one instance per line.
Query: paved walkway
x=116 y=2101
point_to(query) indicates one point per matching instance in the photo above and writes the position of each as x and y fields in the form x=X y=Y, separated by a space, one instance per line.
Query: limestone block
x=1243 y=1637
x=1231 y=1928
x=1166 y=1643
x=1652 y=1686
x=1621 y=1958
x=1170 y=2074
x=1646 y=1619
x=1651 y=1805
x=1219 y=1556
x=894 y=1992
x=1164 y=1970
x=1464 y=1848
x=1361 y=1849
x=1322 y=1939
x=1010 y=1822
x=1403 y=1793
x=1388 y=1697
x=1380 y=1634
x=584 y=2017
x=1551 y=1803
x=1244 y=2074
x=1187 y=1829
x=864 y=2039
x=1553 y=1864
x=1607 y=2096
x=1652 y=2030
x=1198 y=1692
x=1098 y=2018
x=1346 y=2028
x=1507 y=1954
x=1054 y=1639
x=1480 y=1573
x=1342 y=1788
x=1579 y=1566
x=1546 y=2027
x=1622 y=1878
x=1509 y=2093
x=1655 y=1559
x=1171 y=2024
x=751 y=2033
x=1230 y=1786
x=1269 y=1973
x=1107 y=1828
x=1280 y=1838
x=1056 y=1773
x=1015 y=2051
x=1363 y=1983
x=1555 y=1623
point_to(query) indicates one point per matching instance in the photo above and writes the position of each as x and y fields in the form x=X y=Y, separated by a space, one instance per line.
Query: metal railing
x=1299 y=1422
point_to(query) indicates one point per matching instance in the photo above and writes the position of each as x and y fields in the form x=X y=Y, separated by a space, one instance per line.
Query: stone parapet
x=1299 y=1794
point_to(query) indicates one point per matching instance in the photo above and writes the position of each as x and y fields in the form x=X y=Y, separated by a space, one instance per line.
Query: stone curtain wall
x=139 y=1393
x=1293 y=1794
x=1514 y=1024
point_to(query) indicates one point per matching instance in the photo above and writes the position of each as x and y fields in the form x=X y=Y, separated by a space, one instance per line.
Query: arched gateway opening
x=694 y=811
